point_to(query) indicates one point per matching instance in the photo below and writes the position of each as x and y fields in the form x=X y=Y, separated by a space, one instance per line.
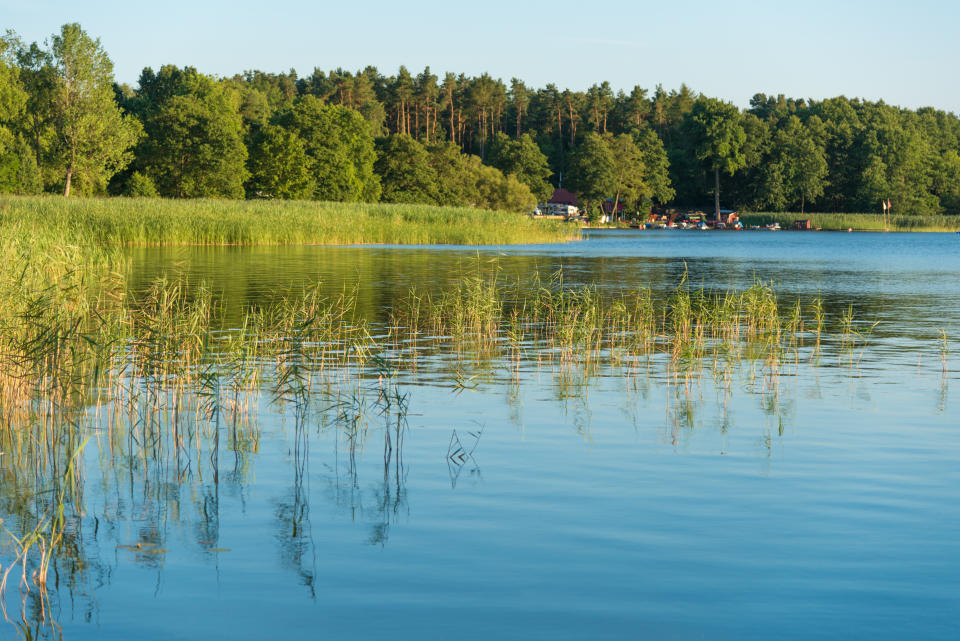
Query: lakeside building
x=561 y=203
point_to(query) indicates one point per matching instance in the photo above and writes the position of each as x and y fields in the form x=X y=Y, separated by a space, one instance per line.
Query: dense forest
x=66 y=126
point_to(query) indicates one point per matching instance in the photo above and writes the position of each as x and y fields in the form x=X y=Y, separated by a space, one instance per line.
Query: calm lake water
x=614 y=503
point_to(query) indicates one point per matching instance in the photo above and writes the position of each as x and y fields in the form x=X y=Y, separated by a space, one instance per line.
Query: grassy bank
x=856 y=222
x=153 y=221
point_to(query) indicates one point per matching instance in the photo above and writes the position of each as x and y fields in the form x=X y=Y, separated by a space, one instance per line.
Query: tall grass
x=154 y=221
x=856 y=222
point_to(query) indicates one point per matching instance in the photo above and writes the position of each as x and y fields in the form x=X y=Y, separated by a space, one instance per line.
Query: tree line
x=66 y=126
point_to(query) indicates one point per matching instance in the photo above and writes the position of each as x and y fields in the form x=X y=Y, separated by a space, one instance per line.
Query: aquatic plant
x=151 y=221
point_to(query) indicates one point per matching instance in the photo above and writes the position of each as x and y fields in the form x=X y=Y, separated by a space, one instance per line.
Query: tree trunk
x=801 y=204
x=66 y=189
x=453 y=132
x=716 y=192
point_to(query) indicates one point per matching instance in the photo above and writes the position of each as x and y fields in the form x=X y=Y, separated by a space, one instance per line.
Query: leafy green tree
x=455 y=181
x=718 y=137
x=29 y=178
x=37 y=76
x=656 y=166
x=279 y=165
x=842 y=128
x=807 y=158
x=406 y=175
x=340 y=147
x=523 y=159
x=12 y=101
x=946 y=180
x=593 y=172
x=194 y=146
x=138 y=185
x=93 y=136
x=628 y=171
x=442 y=175
x=12 y=96
x=494 y=190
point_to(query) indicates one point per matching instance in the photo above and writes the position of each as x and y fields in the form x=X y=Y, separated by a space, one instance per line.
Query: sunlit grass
x=154 y=221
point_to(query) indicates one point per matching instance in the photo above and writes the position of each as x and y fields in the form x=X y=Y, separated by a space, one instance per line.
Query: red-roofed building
x=561 y=203
x=563 y=197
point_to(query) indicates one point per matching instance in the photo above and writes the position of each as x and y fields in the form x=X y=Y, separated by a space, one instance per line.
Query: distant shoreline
x=837 y=222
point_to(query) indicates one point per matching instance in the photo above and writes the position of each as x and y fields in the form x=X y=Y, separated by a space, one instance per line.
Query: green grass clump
x=154 y=221
x=856 y=222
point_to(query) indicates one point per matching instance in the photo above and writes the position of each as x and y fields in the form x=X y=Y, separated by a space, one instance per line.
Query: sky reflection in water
x=629 y=501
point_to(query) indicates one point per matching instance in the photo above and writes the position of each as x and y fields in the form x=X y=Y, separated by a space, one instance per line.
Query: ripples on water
x=628 y=501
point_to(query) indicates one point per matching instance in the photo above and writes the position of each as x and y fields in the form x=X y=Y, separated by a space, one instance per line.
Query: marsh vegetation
x=107 y=380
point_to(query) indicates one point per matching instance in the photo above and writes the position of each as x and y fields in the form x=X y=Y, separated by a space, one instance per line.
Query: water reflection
x=157 y=479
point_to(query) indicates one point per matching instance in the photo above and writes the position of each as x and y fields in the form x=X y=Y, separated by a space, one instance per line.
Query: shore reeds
x=154 y=221
x=161 y=379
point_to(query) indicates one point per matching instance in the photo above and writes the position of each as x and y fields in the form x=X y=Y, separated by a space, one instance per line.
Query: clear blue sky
x=902 y=52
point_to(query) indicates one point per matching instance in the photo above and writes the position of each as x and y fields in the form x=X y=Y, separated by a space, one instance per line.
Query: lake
x=471 y=495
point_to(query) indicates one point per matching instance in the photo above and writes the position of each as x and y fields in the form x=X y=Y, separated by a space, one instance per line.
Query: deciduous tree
x=93 y=137
x=718 y=138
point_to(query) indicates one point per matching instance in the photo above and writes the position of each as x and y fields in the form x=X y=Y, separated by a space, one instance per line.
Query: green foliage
x=93 y=137
x=718 y=134
x=628 y=172
x=193 y=147
x=656 y=166
x=280 y=135
x=29 y=179
x=13 y=98
x=139 y=186
x=9 y=163
x=794 y=168
x=523 y=159
x=496 y=191
x=406 y=175
x=340 y=146
x=38 y=78
x=594 y=172
x=279 y=165
x=442 y=175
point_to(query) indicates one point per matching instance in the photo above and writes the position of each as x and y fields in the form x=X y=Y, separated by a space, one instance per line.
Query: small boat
x=774 y=226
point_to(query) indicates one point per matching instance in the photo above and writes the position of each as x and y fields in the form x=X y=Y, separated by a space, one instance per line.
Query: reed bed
x=550 y=321
x=857 y=222
x=154 y=221
x=159 y=379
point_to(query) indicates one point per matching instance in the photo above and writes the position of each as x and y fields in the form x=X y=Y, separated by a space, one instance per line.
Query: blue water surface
x=614 y=504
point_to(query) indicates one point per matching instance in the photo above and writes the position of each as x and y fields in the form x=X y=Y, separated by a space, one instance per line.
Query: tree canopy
x=93 y=137
x=472 y=140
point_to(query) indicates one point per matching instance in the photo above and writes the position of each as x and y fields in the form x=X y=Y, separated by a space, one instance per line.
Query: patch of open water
x=616 y=503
